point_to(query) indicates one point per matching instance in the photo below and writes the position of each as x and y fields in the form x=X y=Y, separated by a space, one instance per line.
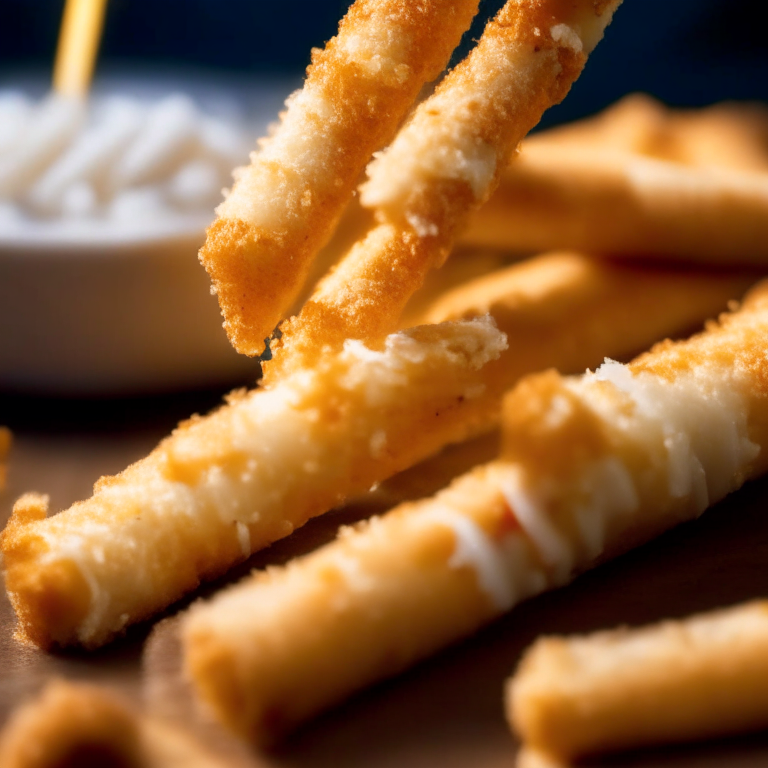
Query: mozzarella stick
x=570 y=311
x=444 y=164
x=589 y=467
x=566 y=311
x=675 y=681
x=610 y=202
x=75 y=579
x=729 y=135
x=285 y=204
x=224 y=486
x=75 y=725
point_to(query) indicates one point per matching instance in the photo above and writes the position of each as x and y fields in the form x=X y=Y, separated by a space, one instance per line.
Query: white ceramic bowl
x=108 y=311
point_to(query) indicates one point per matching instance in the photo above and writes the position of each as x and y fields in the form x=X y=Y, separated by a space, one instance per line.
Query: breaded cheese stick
x=5 y=446
x=728 y=135
x=590 y=467
x=73 y=725
x=566 y=311
x=224 y=486
x=285 y=204
x=697 y=678
x=570 y=311
x=442 y=165
x=608 y=202
x=74 y=578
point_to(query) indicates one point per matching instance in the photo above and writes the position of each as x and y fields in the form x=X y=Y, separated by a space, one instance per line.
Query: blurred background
x=686 y=52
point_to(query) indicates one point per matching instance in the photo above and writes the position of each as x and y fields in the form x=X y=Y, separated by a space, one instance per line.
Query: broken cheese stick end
x=591 y=466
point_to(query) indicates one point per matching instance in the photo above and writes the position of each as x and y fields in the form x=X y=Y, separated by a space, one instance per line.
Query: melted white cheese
x=474 y=548
x=553 y=547
x=703 y=423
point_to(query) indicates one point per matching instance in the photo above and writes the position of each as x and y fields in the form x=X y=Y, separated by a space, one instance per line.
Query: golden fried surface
x=293 y=451
x=639 y=180
x=284 y=206
x=589 y=466
x=675 y=681
x=224 y=486
x=570 y=311
x=443 y=164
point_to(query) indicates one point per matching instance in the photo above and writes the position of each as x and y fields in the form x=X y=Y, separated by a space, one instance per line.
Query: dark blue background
x=686 y=52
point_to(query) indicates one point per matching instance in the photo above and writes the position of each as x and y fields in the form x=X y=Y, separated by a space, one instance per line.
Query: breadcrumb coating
x=589 y=467
x=443 y=164
x=696 y=678
x=224 y=486
x=286 y=203
x=295 y=450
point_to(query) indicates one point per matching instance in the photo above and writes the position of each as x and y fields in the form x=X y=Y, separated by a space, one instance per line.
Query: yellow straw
x=78 y=42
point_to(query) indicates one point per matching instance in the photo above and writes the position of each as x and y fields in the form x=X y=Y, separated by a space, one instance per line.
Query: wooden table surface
x=446 y=713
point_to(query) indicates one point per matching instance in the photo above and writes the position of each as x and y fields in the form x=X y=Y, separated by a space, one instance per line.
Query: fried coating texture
x=700 y=677
x=228 y=484
x=6 y=438
x=570 y=311
x=285 y=204
x=443 y=164
x=639 y=180
x=224 y=486
x=589 y=467
x=73 y=725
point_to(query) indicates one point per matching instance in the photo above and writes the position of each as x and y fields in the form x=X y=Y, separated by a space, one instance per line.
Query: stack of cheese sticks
x=588 y=467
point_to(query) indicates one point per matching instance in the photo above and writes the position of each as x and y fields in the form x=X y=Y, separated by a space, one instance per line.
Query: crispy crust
x=610 y=311
x=475 y=119
x=674 y=681
x=399 y=587
x=224 y=486
x=570 y=311
x=284 y=206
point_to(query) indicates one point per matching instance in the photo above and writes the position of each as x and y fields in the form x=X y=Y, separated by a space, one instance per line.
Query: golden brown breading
x=639 y=180
x=443 y=164
x=674 y=681
x=589 y=467
x=569 y=311
x=224 y=486
x=80 y=577
x=285 y=204
x=73 y=725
